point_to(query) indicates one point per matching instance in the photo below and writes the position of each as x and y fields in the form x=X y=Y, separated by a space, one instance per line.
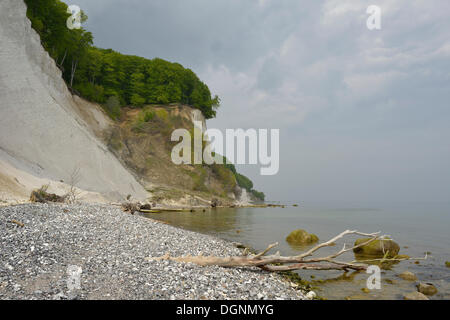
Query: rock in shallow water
x=377 y=248
x=407 y=275
x=311 y=295
x=301 y=237
x=415 y=296
x=427 y=288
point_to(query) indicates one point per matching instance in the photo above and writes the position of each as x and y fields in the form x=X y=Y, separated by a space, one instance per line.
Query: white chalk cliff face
x=197 y=116
x=42 y=133
x=244 y=198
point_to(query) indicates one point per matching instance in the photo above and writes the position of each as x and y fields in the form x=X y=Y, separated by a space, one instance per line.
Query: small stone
x=73 y=296
x=415 y=296
x=60 y=296
x=407 y=275
x=390 y=281
x=427 y=288
x=311 y=295
x=365 y=290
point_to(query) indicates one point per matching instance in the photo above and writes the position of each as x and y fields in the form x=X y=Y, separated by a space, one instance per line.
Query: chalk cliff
x=46 y=133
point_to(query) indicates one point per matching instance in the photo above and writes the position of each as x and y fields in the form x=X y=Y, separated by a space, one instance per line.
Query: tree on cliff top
x=97 y=74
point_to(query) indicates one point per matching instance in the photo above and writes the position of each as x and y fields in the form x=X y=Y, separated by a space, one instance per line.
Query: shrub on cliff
x=259 y=195
x=97 y=74
x=112 y=107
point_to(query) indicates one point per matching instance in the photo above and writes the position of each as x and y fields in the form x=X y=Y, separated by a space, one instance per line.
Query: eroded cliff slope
x=141 y=139
x=44 y=135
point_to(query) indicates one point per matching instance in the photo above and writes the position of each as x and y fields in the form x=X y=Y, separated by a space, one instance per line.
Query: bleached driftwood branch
x=380 y=260
x=287 y=263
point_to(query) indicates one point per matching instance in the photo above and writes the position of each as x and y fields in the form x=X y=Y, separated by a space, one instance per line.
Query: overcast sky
x=364 y=116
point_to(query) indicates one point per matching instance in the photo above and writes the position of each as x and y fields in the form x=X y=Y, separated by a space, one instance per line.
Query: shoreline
x=111 y=248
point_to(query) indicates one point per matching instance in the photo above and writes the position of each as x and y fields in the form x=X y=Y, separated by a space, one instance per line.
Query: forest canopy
x=98 y=74
x=113 y=79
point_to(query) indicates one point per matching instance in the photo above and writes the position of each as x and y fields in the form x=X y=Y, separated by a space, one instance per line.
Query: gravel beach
x=111 y=248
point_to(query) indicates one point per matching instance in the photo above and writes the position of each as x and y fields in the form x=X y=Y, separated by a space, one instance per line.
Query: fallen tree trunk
x=280 y=263
x=287 y=263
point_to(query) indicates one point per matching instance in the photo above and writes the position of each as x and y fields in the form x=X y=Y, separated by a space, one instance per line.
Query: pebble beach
x=41 y=245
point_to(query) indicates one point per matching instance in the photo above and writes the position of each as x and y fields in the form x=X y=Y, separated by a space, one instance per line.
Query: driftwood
x=276 y=262
x=131 y=207
x=41 y=195
x=20 y=224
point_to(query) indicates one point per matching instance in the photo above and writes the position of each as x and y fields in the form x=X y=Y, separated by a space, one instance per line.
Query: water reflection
x=300 y=247
x=259 y=227
x=211 y=221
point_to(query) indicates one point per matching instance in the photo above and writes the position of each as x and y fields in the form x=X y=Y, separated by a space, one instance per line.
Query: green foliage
x=114 y=80
x=97 y=74
x=145 y=116
x=162 y=114
x=148 y=115
x=48 y=18
x=225 y=175
x=199 y=179
x=259 y=195
x=137 y=100
x=112 y=107
x=239 y=179
x=114 y=141
x=244 y=182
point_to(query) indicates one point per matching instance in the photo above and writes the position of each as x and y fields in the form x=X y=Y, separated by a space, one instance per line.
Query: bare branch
x=391 y=259
x=339 y=236
x=259 y=255
x=74 y=179
x=288 y=263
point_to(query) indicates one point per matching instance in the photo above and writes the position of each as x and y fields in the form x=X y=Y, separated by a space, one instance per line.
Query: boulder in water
x=402 y=257
x=427 y=288
x=215 y=203
x=407 y=275
x=301 y=237
x=415 y=296
x=377 y=248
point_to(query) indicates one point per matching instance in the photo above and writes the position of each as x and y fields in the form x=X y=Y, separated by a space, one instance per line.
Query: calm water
x=417 y=229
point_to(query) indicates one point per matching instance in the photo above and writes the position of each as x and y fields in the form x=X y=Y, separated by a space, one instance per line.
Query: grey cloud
x=312 y=69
